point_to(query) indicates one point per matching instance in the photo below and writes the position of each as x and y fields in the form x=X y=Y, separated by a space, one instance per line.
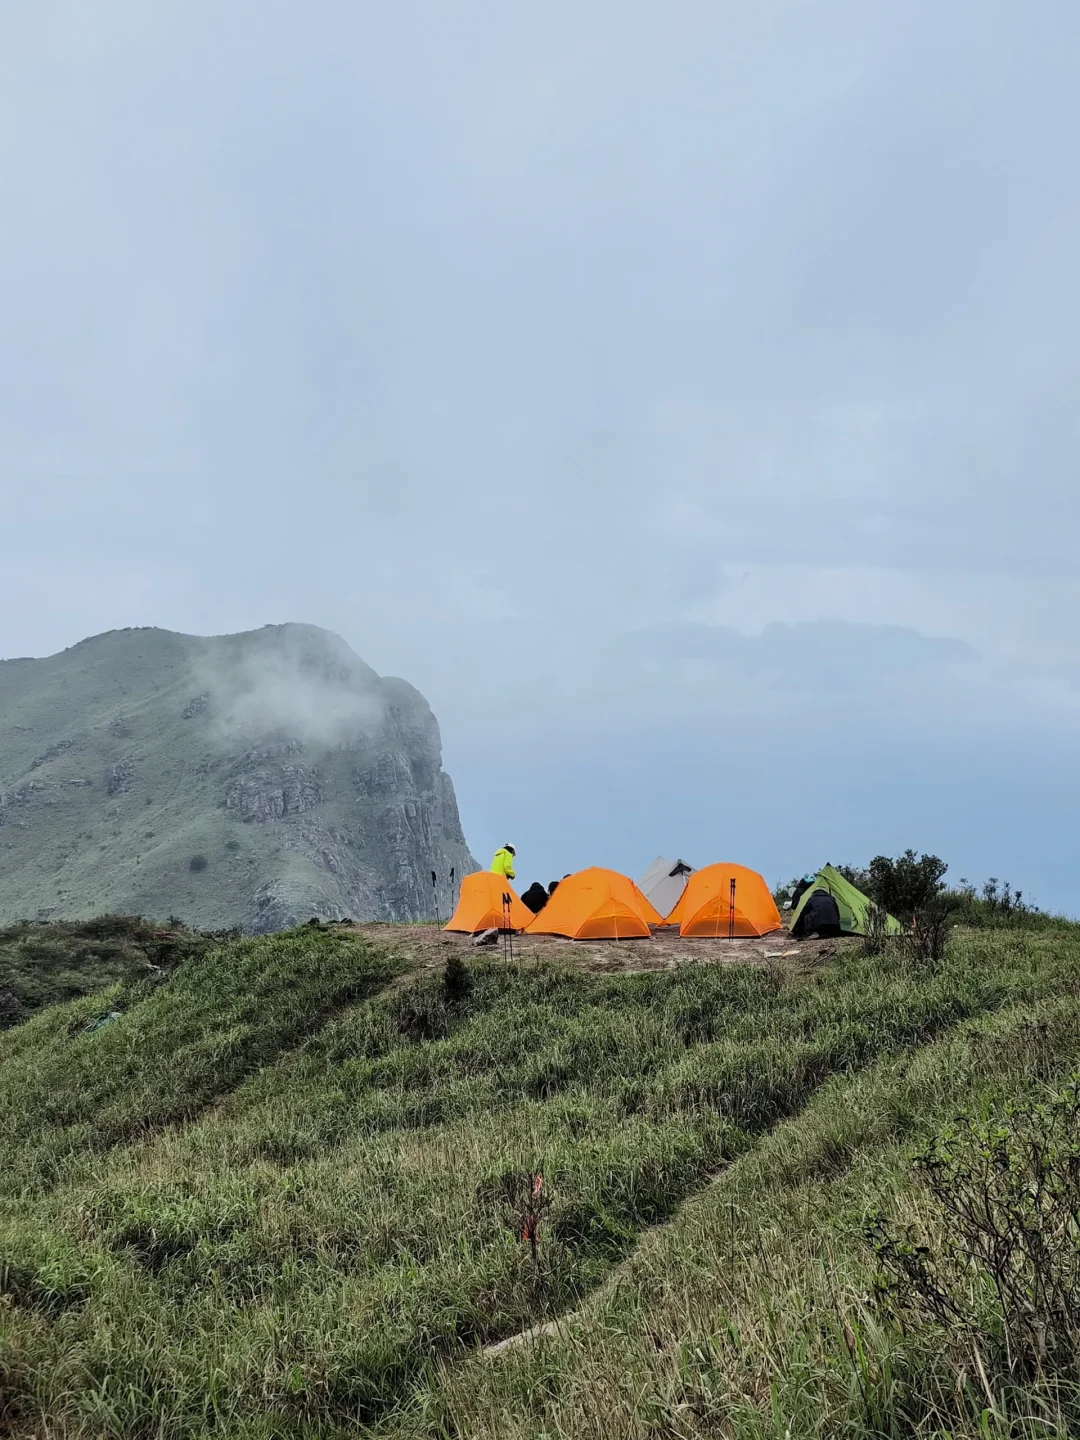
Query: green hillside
x=252 y=780
x=43 y=964
x=288 y=1193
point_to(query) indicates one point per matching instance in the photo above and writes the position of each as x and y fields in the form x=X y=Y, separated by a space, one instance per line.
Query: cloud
x=829 y=654
x=295 y=681
x=745 y=330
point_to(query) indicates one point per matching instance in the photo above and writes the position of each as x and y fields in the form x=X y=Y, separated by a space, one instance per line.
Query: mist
x=290 y=682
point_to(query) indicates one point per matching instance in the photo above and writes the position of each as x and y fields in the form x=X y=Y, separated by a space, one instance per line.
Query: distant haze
x=682 y=397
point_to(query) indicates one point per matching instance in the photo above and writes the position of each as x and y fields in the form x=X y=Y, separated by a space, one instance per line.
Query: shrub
x=1004 y=1277
x=197 y=863
x=457 y=982
x=232 y=846
x=996 y=905
x=931 y=926
x=877 y=930
x=907 y=884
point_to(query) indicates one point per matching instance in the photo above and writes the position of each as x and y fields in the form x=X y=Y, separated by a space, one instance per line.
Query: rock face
x=301 y=781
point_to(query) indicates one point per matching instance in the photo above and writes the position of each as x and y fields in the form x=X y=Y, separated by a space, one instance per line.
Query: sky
x=681 y=396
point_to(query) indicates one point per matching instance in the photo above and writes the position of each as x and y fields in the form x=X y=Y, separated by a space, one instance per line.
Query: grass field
x=286 y=1194
x=43 y=964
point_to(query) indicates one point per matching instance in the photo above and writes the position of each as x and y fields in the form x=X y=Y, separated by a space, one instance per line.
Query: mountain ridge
x=252 y=779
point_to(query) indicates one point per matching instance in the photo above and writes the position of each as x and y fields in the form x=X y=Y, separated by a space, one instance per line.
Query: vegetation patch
x=44 y=964
x=306 y=1202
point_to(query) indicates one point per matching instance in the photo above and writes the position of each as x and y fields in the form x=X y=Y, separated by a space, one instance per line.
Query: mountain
x=253 y=780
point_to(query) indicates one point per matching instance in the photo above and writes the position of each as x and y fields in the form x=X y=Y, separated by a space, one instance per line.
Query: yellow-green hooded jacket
x=503 y=864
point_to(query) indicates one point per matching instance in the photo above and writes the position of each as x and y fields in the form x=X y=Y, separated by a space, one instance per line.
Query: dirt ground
x=664 y=950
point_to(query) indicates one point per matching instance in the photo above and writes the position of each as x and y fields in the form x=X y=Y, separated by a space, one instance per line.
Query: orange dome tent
x=480 y=906
x=705 y=907
x=596 y=904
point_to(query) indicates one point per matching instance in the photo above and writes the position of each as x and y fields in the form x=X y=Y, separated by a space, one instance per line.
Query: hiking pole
x=453 y=890
x=435 y=892
x=731 y=913
x=509 y=912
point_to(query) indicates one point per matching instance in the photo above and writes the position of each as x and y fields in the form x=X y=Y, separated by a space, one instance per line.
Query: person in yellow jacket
x=503 y=864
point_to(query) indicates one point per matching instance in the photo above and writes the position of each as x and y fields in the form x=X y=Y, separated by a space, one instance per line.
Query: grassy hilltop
x=251 y=780
x=289 y=1193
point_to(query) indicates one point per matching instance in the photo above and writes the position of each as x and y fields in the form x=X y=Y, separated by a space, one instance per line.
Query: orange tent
x=596 y=904
x=705 y=907
x=480 y=906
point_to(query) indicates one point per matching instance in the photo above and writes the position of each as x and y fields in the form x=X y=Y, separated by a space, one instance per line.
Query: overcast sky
x=683 y=396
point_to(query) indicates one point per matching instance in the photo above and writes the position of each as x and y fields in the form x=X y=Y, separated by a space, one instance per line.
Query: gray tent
x=664 y=882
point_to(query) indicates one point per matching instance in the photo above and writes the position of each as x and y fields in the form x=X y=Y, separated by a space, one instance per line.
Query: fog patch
x=293 y=681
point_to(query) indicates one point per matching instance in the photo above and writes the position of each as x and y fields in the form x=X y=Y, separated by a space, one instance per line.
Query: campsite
x=539 y=697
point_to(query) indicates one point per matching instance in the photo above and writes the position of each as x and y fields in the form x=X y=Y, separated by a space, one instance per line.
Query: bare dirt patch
x=428 y=945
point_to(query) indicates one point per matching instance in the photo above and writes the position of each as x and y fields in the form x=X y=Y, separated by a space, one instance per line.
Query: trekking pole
x=509 y=912
x=453 y=890
x=731 y=913
x=435 y=891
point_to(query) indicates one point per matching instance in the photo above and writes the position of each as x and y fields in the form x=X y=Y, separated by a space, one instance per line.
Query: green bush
x=197 y=863
x=1001 y=1273
x=906 y=885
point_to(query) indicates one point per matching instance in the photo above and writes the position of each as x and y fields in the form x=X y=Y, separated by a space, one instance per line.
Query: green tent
x=852 y=903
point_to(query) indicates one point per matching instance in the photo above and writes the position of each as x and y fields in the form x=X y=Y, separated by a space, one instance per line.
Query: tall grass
x=246 y=1211
x=44 y=964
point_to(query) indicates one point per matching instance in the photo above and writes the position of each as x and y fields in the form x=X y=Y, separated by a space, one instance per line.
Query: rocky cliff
x=254 y=779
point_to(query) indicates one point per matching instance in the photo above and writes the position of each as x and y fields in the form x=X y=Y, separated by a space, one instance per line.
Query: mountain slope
x=285 y=1194
x=252 y=779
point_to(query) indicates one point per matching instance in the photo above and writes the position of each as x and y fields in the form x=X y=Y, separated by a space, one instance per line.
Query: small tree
x=907 y=884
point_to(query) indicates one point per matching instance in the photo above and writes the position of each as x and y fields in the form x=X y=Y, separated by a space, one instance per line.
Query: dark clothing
x=552 y=888
x=800 y=890
x=535 y=897
x=820 y=916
